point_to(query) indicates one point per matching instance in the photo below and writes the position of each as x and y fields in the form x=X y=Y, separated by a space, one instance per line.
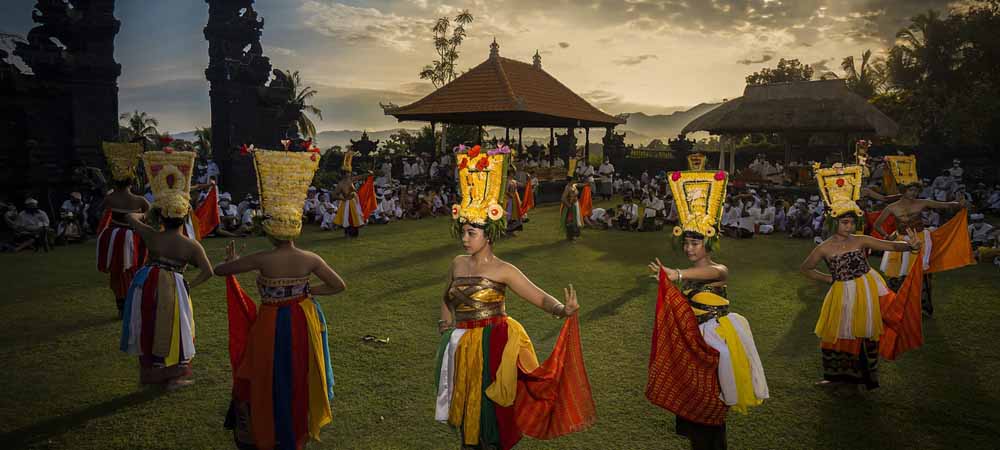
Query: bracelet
x=679 y=276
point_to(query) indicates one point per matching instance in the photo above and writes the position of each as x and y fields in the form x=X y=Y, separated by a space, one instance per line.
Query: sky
x=652 y=56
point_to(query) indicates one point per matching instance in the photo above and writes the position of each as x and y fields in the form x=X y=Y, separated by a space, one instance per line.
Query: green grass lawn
x=66 y=384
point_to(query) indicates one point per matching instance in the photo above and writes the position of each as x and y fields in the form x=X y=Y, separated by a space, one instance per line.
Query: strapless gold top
x=476 y=298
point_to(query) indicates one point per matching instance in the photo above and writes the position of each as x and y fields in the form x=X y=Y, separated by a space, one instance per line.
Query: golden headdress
x=903 y=169
x=169 y=175
x=348 y=161
x=699 y=196
x=840 y=187
x=283 y=179
x=482 y=177
x=696 y=161
x=122 y=157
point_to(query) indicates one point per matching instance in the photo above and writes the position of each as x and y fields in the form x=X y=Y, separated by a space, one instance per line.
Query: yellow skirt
x=851 y=309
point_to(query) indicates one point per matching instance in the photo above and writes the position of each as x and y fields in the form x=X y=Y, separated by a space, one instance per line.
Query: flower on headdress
x=474 y=152
x=720 y=175
x=460 y=148
x=165 y=140
x=463 y=164
x=454 y=211
x=313 y=157
x=675 y=176
x=494 y=211
x=501 y=150
x=840 y=182
x=168 y=149
x=285 y=143
x=482 y=164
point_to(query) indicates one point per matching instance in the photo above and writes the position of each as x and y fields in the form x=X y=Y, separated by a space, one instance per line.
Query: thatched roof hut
x=806 y=106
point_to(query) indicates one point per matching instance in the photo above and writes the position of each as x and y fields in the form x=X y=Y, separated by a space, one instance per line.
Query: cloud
x=763 y=59
x=364 y=25
x=822 y=66
x=564 y=45
x=281 y=51
x=634 y=60
x=614 y=103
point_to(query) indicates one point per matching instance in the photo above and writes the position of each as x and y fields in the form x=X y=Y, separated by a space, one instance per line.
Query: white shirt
x=598 y=214
x=228 y=211
x=606 y=169
x=558 y=162
x=731 y=216
x=631 y=210
x=980 y=231
x=33 y=221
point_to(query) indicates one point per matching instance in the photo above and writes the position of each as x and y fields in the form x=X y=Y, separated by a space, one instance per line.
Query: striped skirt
x=850 y=326
x=897 y=264
x=284 y=384
x=120 y=252
x=349 y=214
x=158 y=324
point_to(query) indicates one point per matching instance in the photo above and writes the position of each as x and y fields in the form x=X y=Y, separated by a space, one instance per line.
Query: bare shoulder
x=723 y=270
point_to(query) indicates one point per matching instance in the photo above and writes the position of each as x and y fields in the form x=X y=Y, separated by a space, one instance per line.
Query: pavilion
x=508 y=93
x=796 y=111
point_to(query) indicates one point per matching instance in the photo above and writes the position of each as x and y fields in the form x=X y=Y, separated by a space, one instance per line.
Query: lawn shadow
x=413 y=258
x=609 y=308
x=16 y=337
x=791 y=343
x=526 y=250
x=57 y=426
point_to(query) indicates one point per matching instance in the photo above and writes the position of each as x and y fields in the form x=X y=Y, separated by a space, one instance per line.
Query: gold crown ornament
x=482 y=177
x=699 y=196
x=840 y=187
x=283 y=179
x=696 y=161
x=348 y=161
x=903 y=169
x=123 y=158
x=169 y=175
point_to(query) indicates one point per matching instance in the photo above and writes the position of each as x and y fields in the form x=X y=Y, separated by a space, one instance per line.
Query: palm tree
x=140 y=125
x=204 y=142
x=296 y=103
x=868 y=79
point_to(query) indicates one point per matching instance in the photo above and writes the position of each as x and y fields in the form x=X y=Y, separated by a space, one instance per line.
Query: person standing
x=120 y=249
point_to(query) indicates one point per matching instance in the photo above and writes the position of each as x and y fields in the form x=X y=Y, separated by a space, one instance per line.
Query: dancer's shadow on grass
x=43 y=431
x=799 y=339
x=30 y=336
x=609 y=308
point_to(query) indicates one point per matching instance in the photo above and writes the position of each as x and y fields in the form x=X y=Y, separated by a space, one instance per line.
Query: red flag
x=586 y=203
x=555 y=399
x=366 y=195
x=528 y=201
x=105 y=221
x=242 y=313
x=683 y=369
x=206 y=216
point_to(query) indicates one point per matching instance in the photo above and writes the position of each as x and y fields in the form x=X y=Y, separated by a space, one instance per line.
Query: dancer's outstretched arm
x=523 y=287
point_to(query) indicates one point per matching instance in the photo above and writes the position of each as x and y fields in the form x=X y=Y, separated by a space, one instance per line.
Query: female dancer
x=158 y=319
x=283 y=380
x=702 y=315
x=486 y=359
x=850 y=322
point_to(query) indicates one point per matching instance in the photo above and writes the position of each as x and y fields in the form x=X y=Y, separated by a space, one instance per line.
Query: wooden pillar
x=506 y=136
x=479 y=134
x=732 y=157
x=723 y=142
x=520 y=133
x=586 y=146
x=433 y=126
x=788 y=148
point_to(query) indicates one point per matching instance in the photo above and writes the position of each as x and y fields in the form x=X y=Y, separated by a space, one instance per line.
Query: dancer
x=906 y=212
x=570 y=215
x=703 y=359
x=158 y=321
x=120 y=250
x=489 y=379
x=850 y=325
x=282 y=377
x=349 y=211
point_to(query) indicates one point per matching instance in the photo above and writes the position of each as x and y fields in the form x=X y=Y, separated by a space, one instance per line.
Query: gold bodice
x=476 y=298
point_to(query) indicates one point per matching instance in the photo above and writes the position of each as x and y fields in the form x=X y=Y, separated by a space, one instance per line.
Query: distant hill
x=639 y=130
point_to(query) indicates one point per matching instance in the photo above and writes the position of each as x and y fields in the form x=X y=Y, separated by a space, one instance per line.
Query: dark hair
x=172 y=223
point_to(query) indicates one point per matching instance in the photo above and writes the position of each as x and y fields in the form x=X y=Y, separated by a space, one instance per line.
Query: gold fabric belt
x=482 y=311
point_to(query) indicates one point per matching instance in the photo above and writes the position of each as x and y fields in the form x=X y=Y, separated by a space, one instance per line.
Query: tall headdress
x=123 y=158
x=482 y=178
x=840 y=187
x=283 y=179
x=903 y=169
x=348 y=161
x=699 y=196
x=696 y=161
x=169 y=175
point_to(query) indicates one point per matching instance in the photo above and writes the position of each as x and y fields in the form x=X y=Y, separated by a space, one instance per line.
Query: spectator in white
x=765 y=221
x=10 y=216
x=600 y=218
x=931 y=218
x=229 y=215
x=310 y=209
x=979 y=230
x=993 y=200
x=382 y=181
x=438 y=205
x=800 y=219
x=558 y=162
x=544 y=163
x=731 y=214
x=213 y=169
x=531 y=163
x=433 y=172
x=816 y=206
x=956 y=171
x=387 y=169
x=928 y=190
x=780 y=216
x=242 y=207
x=628 y=214
x=73 y=225
x=31 y=227
x=607 y=177
x=644 y=178
x=944 y=186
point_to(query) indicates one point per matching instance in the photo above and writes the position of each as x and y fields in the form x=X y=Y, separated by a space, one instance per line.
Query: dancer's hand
x=913 y=239
x=571 y=305
x=655 y=267
x=231 y=253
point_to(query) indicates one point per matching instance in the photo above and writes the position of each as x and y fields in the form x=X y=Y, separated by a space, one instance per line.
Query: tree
x=787 y=70
x=442 y=70
x=295 y=105
x=867 y=80
x=139 y=125
x=398 y=143
x=203 y=142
